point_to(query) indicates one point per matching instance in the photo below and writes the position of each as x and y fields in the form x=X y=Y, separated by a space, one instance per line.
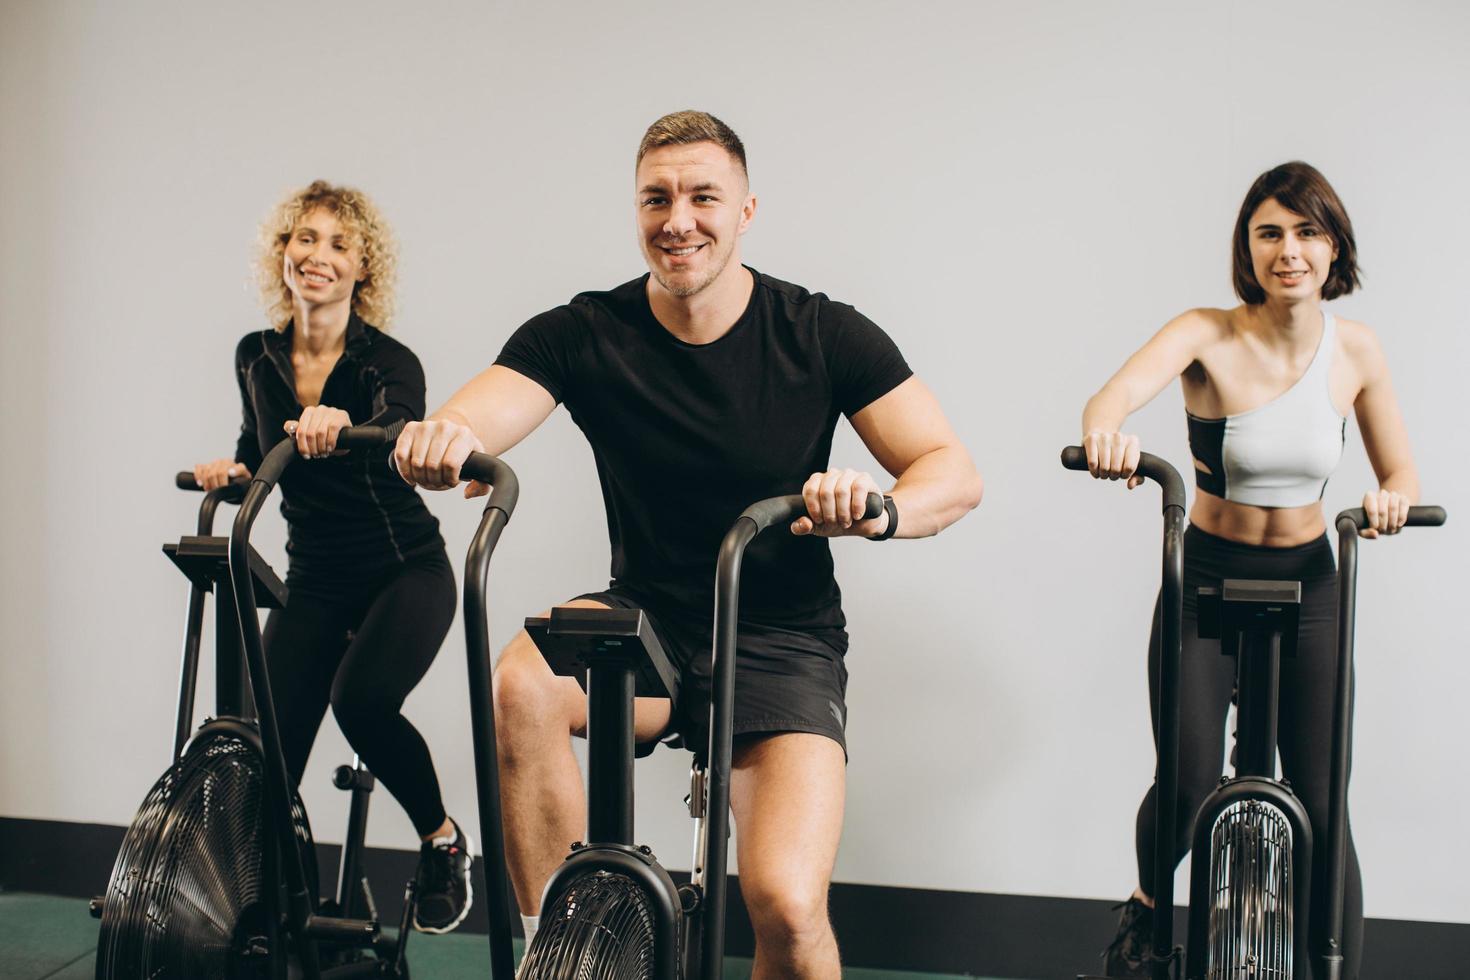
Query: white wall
x=1019 y=193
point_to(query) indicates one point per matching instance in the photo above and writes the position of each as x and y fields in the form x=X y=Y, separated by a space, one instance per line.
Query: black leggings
x=362 y=649
x=1207 y=681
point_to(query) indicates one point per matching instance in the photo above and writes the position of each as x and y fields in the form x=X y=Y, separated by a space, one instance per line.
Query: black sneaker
x=442 y=894
x=1129 y=953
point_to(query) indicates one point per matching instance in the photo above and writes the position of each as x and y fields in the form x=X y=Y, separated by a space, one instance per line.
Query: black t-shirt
x=687 y=436
x=349 y=516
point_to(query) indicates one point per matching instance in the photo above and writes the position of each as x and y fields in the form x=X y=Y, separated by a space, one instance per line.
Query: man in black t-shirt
x=703 y=387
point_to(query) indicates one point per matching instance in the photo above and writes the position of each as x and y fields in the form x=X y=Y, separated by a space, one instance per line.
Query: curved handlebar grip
x=1426 y=516
x=368 y=436
x=1074 y=458
x=776 y=510
x=504 y=487
x=1151 y=467
x=283 y=453
x=232 y=492
x=184 y=480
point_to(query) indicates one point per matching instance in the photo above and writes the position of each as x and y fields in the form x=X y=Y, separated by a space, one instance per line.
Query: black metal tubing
x=349 y=870
x=1258 y=672
x=498 y=510
x=189 y=670
x=1166 y=778
x=194 y=621
x=277 y=782
x=1228 y=793
x=300 y=903
x=644 y=871
x=1348 y=523
x=756 y=518
x=231 y=673
x=609 y=755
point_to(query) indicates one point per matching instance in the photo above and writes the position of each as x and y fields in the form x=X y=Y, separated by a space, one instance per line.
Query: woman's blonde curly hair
x=373 y=297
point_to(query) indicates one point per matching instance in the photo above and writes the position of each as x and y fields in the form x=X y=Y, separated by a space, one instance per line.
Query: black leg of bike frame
x=231 y=681
x=350 y=889
x=277 y=784
x=482 y=724
x=1335 y=852
x=610 y=755
x=717 y=819
x=1256 y=708
x=194 y=628
x=1167 y=776
x=189 y=669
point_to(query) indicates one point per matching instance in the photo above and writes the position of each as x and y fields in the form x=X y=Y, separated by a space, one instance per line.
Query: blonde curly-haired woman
x=372 y=594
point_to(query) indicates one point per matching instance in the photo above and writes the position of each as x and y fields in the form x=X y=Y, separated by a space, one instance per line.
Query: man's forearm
x=936 y=490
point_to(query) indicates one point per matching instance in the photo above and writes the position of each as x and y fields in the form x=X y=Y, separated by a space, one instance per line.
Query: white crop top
x=1281 y=454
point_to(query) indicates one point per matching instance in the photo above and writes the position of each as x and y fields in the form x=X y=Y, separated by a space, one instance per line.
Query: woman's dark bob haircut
x=1298 y=187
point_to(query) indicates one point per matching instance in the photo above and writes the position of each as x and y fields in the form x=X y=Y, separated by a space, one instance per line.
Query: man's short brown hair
x=1301 y=188
x=692 y=126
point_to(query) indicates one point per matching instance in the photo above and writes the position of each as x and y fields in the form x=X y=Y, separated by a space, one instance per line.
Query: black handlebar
x=1151 y=467
x=756 y=518
x=368 y=436
x=1171 y=596
x=352 y=437
x=1426 y=516
x=184 y=480
x=778 y=510
x=504 y=490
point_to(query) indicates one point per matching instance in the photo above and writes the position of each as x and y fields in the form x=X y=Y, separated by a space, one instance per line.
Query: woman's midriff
x=1269 y=527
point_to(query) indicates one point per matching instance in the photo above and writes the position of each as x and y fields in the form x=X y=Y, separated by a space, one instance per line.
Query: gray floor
x=50 y=938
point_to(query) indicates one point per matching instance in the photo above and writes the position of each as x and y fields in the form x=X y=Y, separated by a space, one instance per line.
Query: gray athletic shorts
x=785 y=680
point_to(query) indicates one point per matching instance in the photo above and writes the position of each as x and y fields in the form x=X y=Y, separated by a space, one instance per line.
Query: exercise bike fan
x=1251 y=900
x=188 y=897
x=602 y=928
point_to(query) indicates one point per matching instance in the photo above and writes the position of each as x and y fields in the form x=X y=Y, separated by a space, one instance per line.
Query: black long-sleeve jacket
x=349 y=516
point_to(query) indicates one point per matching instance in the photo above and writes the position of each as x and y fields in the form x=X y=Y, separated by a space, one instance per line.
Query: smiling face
x=693 y=205
x=1291 y=255
x=322 y=260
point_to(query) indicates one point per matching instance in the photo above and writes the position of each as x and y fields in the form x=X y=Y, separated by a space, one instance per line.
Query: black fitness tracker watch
x=892 y=512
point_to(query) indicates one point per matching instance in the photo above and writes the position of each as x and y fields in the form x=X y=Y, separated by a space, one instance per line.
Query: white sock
x=530 y=923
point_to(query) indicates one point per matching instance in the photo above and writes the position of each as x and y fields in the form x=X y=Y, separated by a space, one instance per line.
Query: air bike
x=217 y=875
x=1252 y=847
x=611 y=912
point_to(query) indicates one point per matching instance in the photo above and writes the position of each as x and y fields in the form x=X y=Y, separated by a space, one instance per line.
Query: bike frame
x=302 y=923
x=505 y=490
x=704 y=936
x=1166 y=777
x=1348 y=525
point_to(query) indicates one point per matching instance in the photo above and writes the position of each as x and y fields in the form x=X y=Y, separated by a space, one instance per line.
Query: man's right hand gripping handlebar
x=431 y=453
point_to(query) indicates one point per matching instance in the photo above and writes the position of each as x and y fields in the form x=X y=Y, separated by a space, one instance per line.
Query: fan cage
x=189 y=891
x=602 y=928
x=1251 y=901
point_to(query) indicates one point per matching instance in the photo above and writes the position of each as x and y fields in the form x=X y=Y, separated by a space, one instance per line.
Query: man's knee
x=785 y=911
x=528 y=696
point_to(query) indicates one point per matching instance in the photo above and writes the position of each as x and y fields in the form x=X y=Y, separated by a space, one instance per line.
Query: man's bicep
x=903 y=425
x=502 y=405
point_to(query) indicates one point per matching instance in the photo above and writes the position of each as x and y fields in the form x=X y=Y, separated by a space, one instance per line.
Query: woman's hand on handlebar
x=219 y=472
x=1386 y=510
x=316 y=431
x=835 y=502
x=1113 y=456
x=430 y=453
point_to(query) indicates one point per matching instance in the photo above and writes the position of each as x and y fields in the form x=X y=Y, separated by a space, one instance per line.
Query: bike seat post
x=610 y=689
x=1259 y=699
x=1263 y=615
